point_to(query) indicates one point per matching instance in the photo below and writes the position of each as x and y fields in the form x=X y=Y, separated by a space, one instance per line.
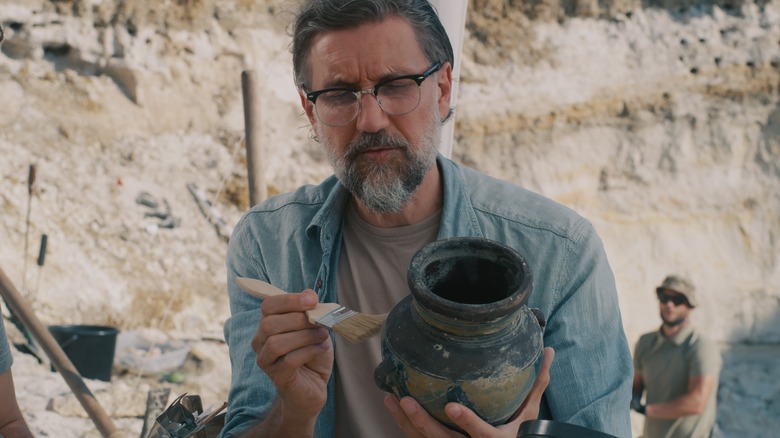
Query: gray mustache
x=367 y=141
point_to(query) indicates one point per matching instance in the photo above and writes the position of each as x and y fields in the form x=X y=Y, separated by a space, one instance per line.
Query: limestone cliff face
x=657 y=120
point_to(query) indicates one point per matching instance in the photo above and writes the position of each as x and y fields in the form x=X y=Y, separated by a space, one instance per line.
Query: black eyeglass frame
x=418 y=78
x=677 y=300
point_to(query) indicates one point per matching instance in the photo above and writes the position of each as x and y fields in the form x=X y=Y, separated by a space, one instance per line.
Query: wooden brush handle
x=261 y=289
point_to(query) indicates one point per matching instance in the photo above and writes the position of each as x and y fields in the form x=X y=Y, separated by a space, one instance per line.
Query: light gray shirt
x=372 y=279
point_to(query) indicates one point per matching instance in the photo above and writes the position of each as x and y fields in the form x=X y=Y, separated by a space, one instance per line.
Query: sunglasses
x=677 y=300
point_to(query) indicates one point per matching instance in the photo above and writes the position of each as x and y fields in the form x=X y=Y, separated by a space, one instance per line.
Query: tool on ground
x=30 y=184
x=354 y=326
x=30 y=343
x=41 y=259
x=186 y=418
x=59 y=359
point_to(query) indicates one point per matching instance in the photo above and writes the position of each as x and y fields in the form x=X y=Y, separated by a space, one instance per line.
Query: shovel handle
x=59 y=359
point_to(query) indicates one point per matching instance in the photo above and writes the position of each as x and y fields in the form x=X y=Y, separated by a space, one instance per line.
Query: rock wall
x=657 y=120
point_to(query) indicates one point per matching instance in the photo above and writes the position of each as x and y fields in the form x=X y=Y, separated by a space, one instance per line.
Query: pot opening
x=469 y=279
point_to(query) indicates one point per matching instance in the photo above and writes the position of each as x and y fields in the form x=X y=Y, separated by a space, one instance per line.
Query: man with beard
x=375 y=78
x=678 y=368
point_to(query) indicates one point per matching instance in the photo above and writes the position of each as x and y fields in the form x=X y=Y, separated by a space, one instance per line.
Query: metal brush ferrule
x=331 y=319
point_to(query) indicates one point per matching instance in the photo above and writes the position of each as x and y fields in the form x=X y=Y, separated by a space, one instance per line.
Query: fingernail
x=408 y=407
x=454 y=411
x=323 y=334
x=308 y=300
x=390 y=404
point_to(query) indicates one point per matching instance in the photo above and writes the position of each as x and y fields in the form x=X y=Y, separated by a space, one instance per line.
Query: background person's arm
x=691 y=403
x=639 y=384
x=12 y=422
x=637 y=389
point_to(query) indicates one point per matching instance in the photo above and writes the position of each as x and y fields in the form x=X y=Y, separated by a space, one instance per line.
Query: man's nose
x=371 y=117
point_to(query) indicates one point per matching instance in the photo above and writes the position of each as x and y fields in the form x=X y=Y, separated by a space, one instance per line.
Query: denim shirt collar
x=328 y=220
x=458 y=219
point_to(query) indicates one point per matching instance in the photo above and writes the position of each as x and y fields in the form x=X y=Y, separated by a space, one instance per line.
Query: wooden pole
x=254 y=149
x=59 y=359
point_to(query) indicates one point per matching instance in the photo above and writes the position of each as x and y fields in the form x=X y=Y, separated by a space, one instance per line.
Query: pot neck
x=462 y=327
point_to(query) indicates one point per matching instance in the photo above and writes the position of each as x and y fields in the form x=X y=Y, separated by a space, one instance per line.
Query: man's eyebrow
x=341 y=83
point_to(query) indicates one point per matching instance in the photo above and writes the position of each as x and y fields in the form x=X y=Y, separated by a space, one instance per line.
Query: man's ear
x=444 y=82
x=308 y=106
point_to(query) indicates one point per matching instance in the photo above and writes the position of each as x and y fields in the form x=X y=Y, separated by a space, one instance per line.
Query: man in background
x=677 y=368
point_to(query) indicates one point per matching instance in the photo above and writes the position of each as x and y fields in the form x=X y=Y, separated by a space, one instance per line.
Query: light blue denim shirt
x=293 y=241
x=6 y=359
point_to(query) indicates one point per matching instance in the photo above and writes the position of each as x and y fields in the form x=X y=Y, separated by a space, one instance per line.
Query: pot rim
x=480 y=248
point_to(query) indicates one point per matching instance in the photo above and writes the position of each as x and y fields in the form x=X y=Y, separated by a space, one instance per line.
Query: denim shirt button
x=319 y=283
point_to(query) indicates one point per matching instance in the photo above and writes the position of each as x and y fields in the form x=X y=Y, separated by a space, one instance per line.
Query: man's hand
x=296 y=355
x=636 y=404
x=417 y=423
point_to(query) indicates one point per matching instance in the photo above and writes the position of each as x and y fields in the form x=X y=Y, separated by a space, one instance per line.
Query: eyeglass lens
x=676 y=300
x=396 y=97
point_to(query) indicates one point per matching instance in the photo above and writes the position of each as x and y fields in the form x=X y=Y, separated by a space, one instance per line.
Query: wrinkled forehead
x=367 y=52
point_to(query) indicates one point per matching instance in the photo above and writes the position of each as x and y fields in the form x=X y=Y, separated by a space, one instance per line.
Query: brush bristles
x=360 y=326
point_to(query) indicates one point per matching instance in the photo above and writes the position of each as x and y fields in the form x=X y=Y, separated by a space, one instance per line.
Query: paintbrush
x=354 y=326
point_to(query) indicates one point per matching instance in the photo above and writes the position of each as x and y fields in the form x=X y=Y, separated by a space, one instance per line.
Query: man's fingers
x=400 y=417
x=293 y=347
x=423 y=424
x=278 y=324
x=529 y=410
x=416 y=422
x=543 y=378
x=467 y=420
x=288 y=303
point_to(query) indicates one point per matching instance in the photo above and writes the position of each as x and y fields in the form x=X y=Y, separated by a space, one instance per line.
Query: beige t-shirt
x=371 y=278
x=666 y=365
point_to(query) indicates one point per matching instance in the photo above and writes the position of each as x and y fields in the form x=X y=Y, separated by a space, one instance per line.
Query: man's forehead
x=384 y=47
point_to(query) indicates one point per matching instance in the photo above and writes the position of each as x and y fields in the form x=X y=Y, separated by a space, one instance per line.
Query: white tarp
x=453 y=16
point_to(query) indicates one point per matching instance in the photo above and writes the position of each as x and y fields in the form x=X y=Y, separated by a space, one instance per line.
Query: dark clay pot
x=464 y=334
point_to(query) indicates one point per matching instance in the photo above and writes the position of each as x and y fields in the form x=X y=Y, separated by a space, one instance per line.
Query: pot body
x=464 y=334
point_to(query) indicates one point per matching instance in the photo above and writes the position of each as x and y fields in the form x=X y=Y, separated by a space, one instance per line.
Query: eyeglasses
x=677 y=300
x=396 y=96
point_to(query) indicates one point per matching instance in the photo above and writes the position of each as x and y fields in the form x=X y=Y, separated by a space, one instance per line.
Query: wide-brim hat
x=680 y=285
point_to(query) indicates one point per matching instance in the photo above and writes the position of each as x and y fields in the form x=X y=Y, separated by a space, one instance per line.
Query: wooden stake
x=254 y=149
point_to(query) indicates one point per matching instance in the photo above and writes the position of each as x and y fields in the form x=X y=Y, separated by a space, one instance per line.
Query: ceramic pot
x=464 y=334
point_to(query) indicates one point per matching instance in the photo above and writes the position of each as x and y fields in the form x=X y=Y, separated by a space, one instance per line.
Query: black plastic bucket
x=89 y=347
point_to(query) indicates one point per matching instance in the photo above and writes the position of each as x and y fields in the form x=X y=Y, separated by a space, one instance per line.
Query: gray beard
x=385 y=188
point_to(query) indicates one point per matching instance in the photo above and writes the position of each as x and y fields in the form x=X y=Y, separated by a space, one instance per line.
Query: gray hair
x=318 y=16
